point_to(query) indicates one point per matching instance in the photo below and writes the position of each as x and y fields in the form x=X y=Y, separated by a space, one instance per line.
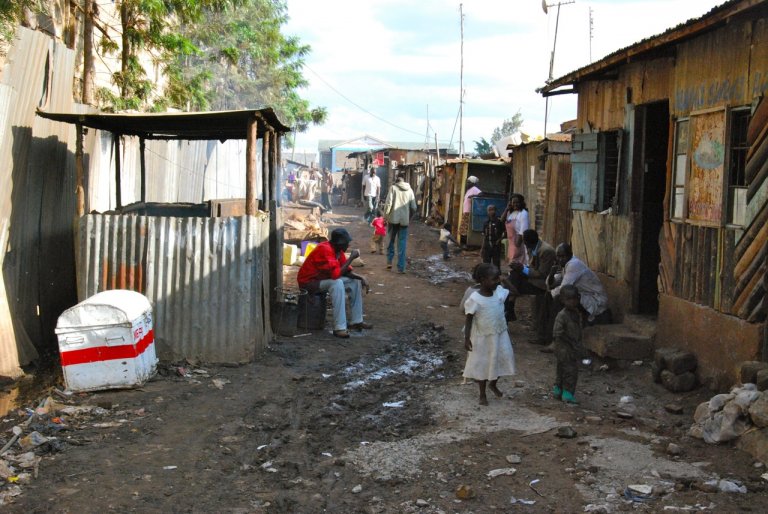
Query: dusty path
x=381 y=422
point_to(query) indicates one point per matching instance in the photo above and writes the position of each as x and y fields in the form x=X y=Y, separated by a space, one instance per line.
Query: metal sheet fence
x=207 y=279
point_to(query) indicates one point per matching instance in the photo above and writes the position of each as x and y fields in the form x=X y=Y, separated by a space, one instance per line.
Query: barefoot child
x=485 y=333
x=568 y=345
x=379 y=231
x=445 y=237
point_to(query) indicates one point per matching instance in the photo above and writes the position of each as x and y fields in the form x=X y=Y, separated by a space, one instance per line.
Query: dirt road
x=381 y=423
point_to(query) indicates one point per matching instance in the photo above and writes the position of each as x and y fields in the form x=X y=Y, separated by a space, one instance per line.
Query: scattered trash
x=604 y=367
x=514 y=459
x=357 y=489
x=465 y=492
x=219 y=383
x=729 y=486
x=532 y=483
x=422 y=503
x=170 y=467
x=586 y=362
x=267 y=466
x=501 y=471
x=33 y=440
x=521 y=501
x=326 y=454
x=261 y=447
x=395 y=405
x=764 y=476
x=325 y=375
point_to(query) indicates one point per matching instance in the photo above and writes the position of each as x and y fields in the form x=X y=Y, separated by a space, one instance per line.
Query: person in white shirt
x=371 y=194
x=594 y=301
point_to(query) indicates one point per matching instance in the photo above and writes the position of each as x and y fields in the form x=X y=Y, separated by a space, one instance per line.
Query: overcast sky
x=390 y=68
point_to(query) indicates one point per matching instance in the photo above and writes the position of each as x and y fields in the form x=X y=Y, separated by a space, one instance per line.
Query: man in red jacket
x=328 y=269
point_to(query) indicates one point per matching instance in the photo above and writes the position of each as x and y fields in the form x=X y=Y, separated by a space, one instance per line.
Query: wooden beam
x=118 y=179
x=265 y=181
x=143 y=168
x=250 y=167
x=80 y=172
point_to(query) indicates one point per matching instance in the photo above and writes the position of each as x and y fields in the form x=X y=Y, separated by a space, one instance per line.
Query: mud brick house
x=668 y=184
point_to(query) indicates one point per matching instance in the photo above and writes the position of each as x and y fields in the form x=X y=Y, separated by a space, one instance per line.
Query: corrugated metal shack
x=209 y=279
x=541 y=173
x=668 y=193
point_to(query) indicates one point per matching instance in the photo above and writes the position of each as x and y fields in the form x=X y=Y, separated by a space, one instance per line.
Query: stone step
x=631 y=340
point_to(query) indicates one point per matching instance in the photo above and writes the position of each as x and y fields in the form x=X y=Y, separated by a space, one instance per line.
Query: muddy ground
x=380 y=423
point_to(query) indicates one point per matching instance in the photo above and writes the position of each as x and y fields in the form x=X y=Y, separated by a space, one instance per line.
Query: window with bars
x=737 y=160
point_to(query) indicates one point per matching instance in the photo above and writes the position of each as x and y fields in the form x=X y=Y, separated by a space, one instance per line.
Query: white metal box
x=107 y=341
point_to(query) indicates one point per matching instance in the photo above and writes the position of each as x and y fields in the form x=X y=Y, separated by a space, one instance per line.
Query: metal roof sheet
x=215 y=125
x=715 y=17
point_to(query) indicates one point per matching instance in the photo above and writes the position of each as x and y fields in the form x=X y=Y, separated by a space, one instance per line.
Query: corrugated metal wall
x=36 y=211
x=207 y=279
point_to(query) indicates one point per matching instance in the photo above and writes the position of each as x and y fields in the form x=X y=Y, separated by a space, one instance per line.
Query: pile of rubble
x=298 y=227
x=740 y=414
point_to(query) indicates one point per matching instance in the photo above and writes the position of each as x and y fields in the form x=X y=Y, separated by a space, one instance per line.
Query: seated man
x=571 y=270
x=531 y=280
x=328 y=269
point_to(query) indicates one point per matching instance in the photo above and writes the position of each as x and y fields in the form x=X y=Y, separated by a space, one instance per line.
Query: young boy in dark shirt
x=493 y=232
x=568 y=346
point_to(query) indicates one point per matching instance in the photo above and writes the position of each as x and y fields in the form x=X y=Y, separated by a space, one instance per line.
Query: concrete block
x=660 y=356
x=748 y=371
x=755 y=442
x=761 y=380
x=680 y=362
x=656 y=370
x=678 y=383
x=758 y=412
x=618 y=342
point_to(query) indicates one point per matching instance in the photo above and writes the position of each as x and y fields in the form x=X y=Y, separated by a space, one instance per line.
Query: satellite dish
x=544 y=6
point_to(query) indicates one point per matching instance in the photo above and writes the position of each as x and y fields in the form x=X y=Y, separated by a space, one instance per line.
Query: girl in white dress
x=486 y=338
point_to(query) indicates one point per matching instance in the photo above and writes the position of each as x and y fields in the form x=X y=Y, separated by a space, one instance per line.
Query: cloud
x=400 y=60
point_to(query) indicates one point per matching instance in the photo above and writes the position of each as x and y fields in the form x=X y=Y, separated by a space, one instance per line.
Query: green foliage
x=483 y=147
x=509 y=127
x=11 y=14
x=252 y=64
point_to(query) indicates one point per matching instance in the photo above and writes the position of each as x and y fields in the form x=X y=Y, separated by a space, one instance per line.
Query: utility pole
x=546 y=7
x=461 y=86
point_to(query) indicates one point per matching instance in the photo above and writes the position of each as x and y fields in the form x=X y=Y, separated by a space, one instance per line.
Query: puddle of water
x=413 y=362
x=438 y=271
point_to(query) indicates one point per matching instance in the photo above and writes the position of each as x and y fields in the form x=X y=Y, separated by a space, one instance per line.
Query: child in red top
x=379 y=231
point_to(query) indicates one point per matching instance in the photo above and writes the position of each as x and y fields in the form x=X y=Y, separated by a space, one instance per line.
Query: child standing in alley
x=379 y=231
x=493 y=232
x=486 y=338
x=445 y=237
x=568 y=347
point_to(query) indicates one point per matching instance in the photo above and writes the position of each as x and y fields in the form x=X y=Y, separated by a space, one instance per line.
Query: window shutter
x=584 y=172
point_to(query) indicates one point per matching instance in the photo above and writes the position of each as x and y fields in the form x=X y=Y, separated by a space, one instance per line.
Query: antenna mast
x=591 y=36
x=461 y=86
x=546 y=7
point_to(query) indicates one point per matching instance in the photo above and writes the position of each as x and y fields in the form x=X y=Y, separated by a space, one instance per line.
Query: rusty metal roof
x=211 y=126
x=714 y=18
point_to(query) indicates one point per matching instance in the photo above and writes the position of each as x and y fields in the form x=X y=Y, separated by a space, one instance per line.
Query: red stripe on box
x=107 y=353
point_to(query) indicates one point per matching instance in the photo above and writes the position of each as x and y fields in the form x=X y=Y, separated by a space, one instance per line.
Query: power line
x=358 y=105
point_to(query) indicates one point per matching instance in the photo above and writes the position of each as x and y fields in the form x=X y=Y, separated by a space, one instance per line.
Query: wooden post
x=250 y=167
x=143 y=165
x=80 y=172
x=274 y=189
x=265 y=169
x=118 y=181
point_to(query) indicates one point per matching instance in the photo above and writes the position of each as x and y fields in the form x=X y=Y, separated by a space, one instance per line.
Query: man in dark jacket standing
x=400 y=206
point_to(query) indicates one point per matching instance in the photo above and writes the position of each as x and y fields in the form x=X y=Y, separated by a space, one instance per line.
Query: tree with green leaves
x=12 y=13
x=509 y=127
x=483 y=147
x=250 y=63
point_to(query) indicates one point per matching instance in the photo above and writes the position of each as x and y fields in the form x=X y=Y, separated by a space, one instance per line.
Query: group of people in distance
x=567 y=294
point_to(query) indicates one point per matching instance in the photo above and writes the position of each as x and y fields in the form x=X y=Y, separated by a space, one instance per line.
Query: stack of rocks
x=674 y=369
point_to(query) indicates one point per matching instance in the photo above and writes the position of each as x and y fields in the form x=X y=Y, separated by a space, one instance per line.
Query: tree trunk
x=126 y=48
x=88 y=58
